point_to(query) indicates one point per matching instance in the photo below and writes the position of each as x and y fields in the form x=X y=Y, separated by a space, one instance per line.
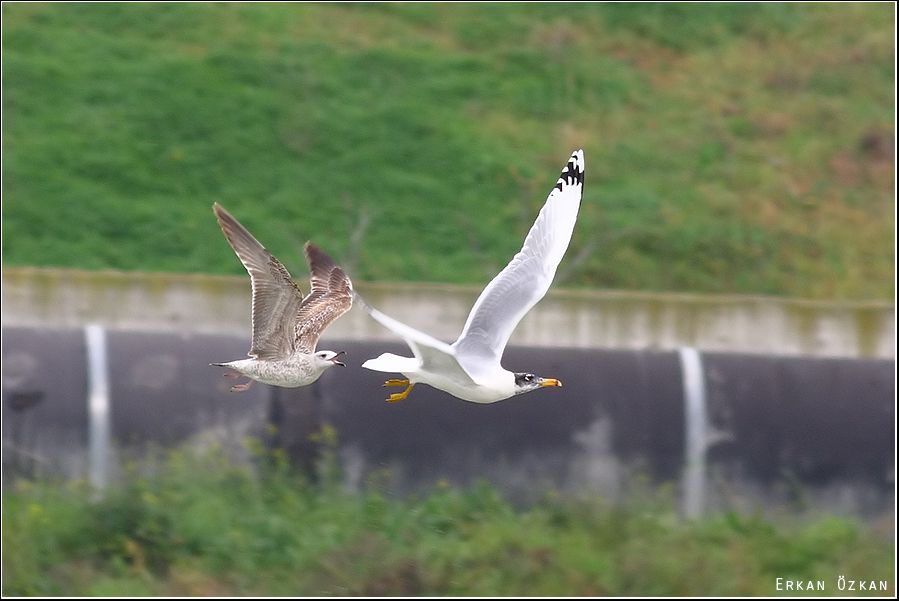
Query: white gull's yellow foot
x=399 y=396
x=396 y=382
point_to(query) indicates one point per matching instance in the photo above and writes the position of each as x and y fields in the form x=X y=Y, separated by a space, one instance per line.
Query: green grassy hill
x=729 y=148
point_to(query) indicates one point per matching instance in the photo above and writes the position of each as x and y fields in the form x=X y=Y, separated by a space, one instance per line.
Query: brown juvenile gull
x=470 y=367
x=286 y=325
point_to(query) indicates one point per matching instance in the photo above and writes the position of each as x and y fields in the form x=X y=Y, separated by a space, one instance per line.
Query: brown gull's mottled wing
x=331 y=297
x=276 y=298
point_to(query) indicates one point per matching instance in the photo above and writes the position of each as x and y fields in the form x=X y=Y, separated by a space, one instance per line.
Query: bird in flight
x=286 y=325
x=470 y=367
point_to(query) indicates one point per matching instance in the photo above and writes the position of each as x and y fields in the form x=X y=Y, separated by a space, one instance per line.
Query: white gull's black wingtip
x=573 y=171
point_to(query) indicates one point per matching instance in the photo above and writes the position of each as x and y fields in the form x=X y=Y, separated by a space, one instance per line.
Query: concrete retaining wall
x=770 y=432
x=565 y=318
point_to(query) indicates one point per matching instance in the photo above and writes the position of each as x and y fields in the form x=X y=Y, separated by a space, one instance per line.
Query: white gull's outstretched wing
x=430 y=354
x=525 y=280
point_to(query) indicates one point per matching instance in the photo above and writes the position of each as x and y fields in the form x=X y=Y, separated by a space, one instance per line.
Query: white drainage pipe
x=697 y=439
x=98 y=406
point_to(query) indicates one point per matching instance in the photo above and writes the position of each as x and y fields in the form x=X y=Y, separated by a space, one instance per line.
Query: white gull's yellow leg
x=399 y=396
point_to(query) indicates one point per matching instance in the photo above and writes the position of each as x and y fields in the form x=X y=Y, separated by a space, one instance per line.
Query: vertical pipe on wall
x=696 y=438
x=97 y=406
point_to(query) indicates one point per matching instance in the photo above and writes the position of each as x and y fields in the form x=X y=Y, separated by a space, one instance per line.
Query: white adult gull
x=286 y=325
x=470 y=367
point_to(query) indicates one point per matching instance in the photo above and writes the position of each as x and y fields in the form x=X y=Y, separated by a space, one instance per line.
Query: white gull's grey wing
x=276 y=298
x=434 y=355
x=525 y=280
x=330 y=296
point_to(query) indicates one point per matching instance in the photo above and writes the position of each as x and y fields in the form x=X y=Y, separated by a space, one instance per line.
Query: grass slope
x=730 y=148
